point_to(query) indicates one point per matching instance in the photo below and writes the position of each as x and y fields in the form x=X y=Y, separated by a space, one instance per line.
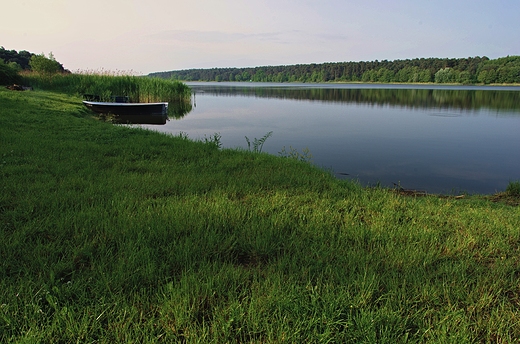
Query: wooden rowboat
x=131 y=113
x=128 y=108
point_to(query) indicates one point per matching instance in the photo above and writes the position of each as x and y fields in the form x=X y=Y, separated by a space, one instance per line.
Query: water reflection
x=175 y=110
x=139 y=119
x=438 y=139
x=178 y=108
x=418 y=98
x=123 y=112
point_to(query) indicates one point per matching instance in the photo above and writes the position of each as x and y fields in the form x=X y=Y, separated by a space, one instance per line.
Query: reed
x=513 y=188
x=107 y=85
x=112 y=234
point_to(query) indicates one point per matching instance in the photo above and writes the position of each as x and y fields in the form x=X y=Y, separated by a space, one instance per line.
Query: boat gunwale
x=122 y=104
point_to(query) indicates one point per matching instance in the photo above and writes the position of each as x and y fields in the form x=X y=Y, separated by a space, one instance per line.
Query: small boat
x=131 y=113
x=128 y=108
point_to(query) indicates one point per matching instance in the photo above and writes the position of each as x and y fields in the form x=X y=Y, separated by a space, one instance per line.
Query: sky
x=144 y=36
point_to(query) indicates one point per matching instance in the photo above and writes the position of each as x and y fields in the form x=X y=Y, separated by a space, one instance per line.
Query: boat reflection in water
x=130 y=113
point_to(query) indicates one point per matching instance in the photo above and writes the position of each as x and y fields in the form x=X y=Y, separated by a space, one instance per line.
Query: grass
x=510 y=196
x=111 y=234
x=513 y=189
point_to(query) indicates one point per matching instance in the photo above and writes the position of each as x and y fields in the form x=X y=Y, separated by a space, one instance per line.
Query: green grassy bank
x=110 y=234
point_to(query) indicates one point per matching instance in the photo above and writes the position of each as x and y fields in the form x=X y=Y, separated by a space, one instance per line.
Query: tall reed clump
x=107 y=85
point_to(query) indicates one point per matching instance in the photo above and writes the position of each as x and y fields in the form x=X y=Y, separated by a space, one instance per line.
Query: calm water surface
x=432 y=138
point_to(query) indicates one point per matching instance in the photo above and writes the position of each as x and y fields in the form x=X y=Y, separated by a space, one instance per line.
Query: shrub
x=44 y=65
x=8 y=75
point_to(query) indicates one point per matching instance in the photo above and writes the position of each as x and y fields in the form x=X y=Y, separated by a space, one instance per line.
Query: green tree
x=245 y=76
x=406 y=74
x=369 y=76
x=501 y=70
x=445 y=75
x=385 y=75
x=21 y=58
x=45 y=65
x=425 y=76
x=487 y=76
x=259 y=75
x=15 y=66
x=465 y=78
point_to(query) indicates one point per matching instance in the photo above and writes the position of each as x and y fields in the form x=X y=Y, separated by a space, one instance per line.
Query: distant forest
x=471 y=70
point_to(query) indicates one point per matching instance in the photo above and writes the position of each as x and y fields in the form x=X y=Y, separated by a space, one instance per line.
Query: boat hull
x=133 y=109
x=131 y=113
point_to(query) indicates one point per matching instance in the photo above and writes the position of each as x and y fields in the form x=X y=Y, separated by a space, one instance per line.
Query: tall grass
x=110 y=234
x=513 y=188
x=106 y=86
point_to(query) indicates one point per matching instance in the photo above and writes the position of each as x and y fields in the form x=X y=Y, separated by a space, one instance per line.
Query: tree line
x=471 y=70
x=13 y=62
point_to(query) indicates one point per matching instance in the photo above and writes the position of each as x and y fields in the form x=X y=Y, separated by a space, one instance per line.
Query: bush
x=8 y=75
x=44 y=65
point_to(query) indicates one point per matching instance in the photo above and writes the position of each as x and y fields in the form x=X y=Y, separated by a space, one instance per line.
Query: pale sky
x=143 y=36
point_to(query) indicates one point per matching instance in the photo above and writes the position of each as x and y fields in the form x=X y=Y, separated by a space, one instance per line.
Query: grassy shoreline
x=111 y=234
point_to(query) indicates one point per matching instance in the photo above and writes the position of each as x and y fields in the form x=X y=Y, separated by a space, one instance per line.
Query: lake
x=439 y=139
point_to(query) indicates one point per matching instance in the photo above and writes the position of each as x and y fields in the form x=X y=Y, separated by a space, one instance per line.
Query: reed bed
x=107 y=85
x=111 y=234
